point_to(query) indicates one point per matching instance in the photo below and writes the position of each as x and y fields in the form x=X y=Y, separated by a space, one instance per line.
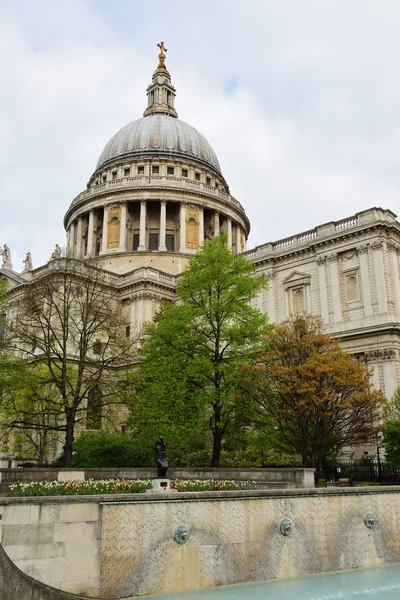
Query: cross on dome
x=161 y=93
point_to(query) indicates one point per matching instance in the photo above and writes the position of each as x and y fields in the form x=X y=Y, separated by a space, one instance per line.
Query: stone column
x=105 y=227
x=337 y=306
x=323 y=296
x=72 y=240
x=216 y=224
x=163 y=224
x=79 y=238
x=142 y=227
x=237 y=238
x=379 y=276
x=229 y=230
x=122 y=231
x=364 y=272
x=394 y=258
x=201 y=227
x=89 y=251
x=182 y=228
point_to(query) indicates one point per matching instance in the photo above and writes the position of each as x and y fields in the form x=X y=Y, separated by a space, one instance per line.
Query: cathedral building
x=158 y=192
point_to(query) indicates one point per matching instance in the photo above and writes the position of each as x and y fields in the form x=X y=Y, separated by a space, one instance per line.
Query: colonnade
x=107 y=228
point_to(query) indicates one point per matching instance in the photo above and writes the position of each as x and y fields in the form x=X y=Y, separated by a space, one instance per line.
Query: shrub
x=110 y=450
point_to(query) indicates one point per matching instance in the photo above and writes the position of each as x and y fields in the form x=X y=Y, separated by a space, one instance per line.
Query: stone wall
x=124 y=545
x=276 y=478
x=15 y=585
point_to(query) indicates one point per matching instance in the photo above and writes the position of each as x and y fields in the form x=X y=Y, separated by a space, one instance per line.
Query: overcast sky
x=300 y=100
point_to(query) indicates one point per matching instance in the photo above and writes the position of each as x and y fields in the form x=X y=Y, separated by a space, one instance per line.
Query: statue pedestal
x=161 y=484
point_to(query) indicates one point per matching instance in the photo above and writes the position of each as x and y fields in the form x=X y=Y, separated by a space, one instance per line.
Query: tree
x=191 y=357
x=69 y=329
x=315 y=395
x=391 y=430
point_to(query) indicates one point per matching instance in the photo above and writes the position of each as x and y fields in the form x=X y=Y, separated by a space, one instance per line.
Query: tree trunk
x=69 y=438
x=217 y=445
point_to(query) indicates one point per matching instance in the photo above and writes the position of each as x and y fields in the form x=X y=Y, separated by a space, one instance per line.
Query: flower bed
x=80 y=488
x=210 y=485
x=119 y=486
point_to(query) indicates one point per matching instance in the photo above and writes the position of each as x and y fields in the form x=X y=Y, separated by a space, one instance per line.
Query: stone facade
x=346 y=272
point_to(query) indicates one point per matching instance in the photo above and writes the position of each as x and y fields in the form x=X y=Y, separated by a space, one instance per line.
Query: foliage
x=391 y=443
x=392 y=408
x=192 y=354
x=111 y=450
x=70 y=331
x=391 y=430
x=311 y=392
x=210 y=485
x=80 y=488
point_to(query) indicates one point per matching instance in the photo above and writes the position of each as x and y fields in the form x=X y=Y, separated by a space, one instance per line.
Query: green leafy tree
x=192 y=355
x=315 y=397
x=69 y=330
x=391 y=430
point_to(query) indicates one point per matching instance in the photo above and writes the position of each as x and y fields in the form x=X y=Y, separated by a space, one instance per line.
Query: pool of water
x=382 y=583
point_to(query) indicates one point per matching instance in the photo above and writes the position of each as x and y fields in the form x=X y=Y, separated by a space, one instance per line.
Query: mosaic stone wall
x=239 y=540
x=160 y=543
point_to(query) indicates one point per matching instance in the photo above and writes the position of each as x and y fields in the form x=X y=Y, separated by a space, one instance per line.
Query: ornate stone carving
x=286 y=526
x=377 y=245
x=6 y=253
x=28 y=262
x=181 y=534
x=380 y=355
x=57 y=253
x=369 y=520
x=333 y=257
x=348 y=255
x=363 y=248
x=393 y=247
x=321 y=260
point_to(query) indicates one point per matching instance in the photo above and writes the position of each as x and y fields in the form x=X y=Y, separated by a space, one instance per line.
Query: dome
x=159 y=134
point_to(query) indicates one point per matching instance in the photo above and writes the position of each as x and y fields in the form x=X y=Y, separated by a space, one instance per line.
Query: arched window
x=93 y=408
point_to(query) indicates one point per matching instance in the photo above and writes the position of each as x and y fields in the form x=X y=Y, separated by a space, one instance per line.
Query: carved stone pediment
x=296 y=278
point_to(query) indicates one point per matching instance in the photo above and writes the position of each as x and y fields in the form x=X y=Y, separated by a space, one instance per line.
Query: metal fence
x=363 y=471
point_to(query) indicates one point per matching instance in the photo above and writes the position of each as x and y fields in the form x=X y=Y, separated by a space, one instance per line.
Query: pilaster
x=323 y=293
x=377 y=258
x=336 y=302
x=365 y=285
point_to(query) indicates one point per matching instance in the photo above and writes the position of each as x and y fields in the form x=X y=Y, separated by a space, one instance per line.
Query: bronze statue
x=162 y=462
x=161 y=56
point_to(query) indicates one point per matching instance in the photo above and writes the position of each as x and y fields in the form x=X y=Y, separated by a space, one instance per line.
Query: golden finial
x=161 y=56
